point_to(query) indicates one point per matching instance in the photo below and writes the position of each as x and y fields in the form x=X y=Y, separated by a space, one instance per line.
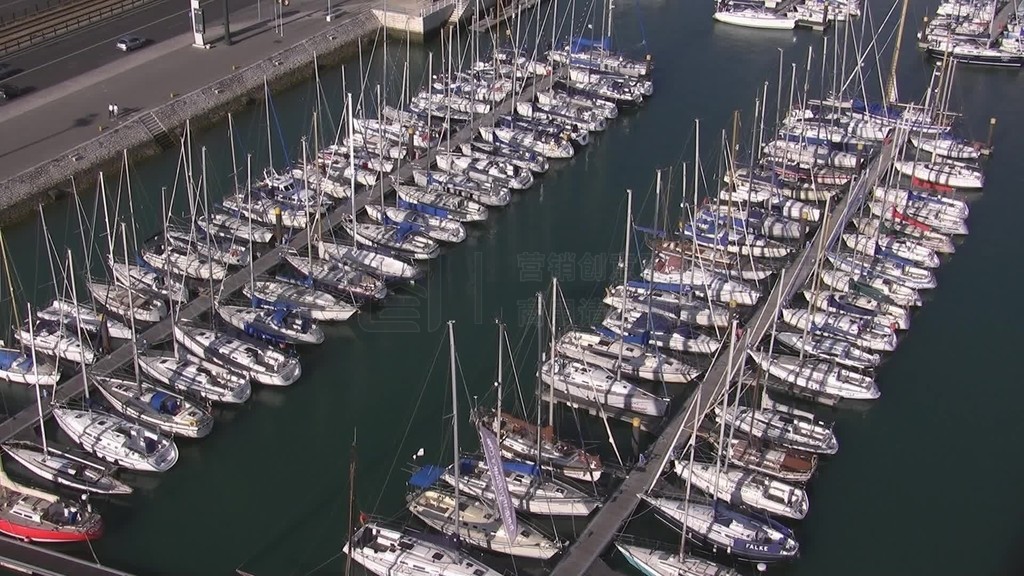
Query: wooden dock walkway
x=512 y=9
x=1001 y=18
x=35 y=560
x=584 y=555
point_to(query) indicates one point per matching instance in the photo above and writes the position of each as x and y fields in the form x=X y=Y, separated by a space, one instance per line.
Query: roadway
x=584 y=555
x=47 y=123
x=91 y=47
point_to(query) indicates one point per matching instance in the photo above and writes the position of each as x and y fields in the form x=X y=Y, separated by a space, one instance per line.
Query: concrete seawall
x=143 y=133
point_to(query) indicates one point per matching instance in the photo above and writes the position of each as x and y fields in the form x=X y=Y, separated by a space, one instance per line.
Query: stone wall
x=51 y=179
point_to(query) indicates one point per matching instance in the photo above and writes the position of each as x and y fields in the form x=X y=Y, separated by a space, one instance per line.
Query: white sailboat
x=309 y=302
x=260 y=363
x=594 y=384
x=621 y=357
x=781 y=428
x=745 y=487
x=818 y=376
x=469 y=519
x=195 y=377
x=118 y=441
x=384 y=551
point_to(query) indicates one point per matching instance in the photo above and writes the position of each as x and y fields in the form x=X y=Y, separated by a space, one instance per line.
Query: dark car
x=129 y=43
x=8 y=91
x=6 y=70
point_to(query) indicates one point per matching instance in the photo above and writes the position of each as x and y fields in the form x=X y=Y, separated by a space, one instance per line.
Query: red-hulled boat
x=36 y=516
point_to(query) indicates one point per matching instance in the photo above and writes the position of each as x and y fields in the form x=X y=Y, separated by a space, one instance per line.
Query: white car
x=129 y=43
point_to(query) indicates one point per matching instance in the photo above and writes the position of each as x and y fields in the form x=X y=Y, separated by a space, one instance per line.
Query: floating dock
x=583 y=557
x=511 y=10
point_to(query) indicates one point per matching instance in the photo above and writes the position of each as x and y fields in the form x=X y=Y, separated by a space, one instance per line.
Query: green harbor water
x=926 y=481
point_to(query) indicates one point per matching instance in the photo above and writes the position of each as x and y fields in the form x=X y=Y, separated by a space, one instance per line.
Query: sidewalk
x=48 y=124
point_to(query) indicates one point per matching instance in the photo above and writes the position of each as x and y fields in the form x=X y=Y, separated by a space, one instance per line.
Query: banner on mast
x=489 y=442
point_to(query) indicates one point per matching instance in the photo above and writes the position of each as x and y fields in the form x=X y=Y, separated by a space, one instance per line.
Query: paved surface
x=585 y=552
x=92 y=46
x=59 y=118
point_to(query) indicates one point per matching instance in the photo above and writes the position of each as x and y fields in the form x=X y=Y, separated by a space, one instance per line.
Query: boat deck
x=584 y=555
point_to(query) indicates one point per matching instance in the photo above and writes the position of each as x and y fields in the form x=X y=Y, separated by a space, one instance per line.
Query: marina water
x=926 y=482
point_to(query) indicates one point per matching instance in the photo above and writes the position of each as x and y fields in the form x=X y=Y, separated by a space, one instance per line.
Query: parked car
x=129 y=43
x=9 y=91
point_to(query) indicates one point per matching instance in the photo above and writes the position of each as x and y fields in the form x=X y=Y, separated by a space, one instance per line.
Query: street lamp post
x=227 y=25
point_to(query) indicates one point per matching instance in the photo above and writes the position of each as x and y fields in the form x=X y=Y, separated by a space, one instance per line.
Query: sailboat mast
x=455 y=419
x=551 y=387
x=351 y=496
x=270 y=141
x=131 y=318
x=35 y=373
x=234 y=161
x=498 y=382
x=78 y=328
x=540 y=366
x=890 y=85
x=625 y=275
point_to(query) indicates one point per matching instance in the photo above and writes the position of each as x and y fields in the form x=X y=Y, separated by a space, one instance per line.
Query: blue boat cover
x=280 y=313
x=9 y=358
x=882 y=253
x=164 y=403
x=426 y=476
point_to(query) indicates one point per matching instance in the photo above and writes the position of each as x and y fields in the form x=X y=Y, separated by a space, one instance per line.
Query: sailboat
x=654 y=562
x=273 y=325
x=260 y=363
x=61 y=467
x=720 y=527
x=309 y=302
x=819 y=376
x=780 y=428
x=166 y=411
x=625 y=358
x=386 y=551
x=33 y=515
x=195 y=377
x=746 y=487
x=472 y=521
x=118 y=441
x=62 y=310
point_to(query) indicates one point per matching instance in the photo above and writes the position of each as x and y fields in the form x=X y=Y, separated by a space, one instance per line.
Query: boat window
x=405 y=545
x=525 y=533
x=478 y=572
x=437 y=556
